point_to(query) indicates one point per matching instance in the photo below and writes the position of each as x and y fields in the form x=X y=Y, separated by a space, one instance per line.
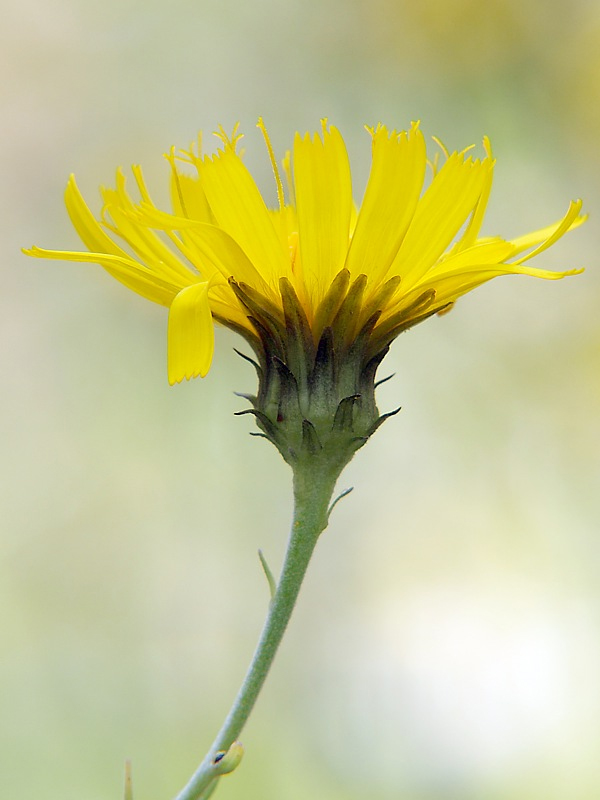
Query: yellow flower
x=418 y=249
x=316 y=275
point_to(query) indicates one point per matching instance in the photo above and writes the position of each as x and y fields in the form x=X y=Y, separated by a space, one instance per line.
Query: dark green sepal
x=384 y=294
x=330 y=304
x=399 y=322
x=310 y=438
x=255 y=364
x=242 y=330
x=251 y=398
x=368 y=372
x=299 y=340
x=382 y=419
x=344 y=413
x=348 y=315
x=256 y=303
x=321 y=382
x=271 y=339
x=264 y=316
x=383 y=380
x=349 y=376
x=263 y=419
x=288 y=391
x=316 y=395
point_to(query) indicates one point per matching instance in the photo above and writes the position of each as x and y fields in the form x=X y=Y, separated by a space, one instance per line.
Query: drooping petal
x=391 y=196
x=190 y=334
x=369 y=274
x=323 y=189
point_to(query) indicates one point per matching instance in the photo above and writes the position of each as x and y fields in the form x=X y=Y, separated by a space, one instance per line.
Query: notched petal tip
x=58 y=255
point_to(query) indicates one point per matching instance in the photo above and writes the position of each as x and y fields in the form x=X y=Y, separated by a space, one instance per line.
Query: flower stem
x=313 y=489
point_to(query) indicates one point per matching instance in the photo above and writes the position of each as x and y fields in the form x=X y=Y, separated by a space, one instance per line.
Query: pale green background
x=446 y=646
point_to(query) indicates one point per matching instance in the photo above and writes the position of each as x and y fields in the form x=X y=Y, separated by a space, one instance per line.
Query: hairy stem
x=313 y=489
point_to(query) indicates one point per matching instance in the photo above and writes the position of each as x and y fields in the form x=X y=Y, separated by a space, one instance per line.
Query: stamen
x=487 y=146
x=373 y=129
x=442 y=146
x=198 y=145
x=467 y=150
x=260 y=124
x=187 y=156
x=433 y=164
x=229 y=142
x=106 y=221
x=171 y=158
x=141 y=183
x=293 y=246
x=286 y=163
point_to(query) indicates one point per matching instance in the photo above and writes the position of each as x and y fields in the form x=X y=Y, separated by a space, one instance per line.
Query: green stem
x=313 y=489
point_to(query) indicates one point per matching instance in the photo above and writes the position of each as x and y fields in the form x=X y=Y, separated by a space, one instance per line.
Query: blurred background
x=446 y=645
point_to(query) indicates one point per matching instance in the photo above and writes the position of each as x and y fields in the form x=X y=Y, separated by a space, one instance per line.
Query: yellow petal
x=88 y=228
x=569 y=221
x=210 y=247
x=391 y=196
x=156 y=245
x=190 y=334
x=452 y=195
x=188 y=198
x=457 y=282
x=490 y=251
x=474 y=226
x=127 y=271
x=522 y=243
x=122 y=219
x=165 y=263
x=219 y=250
x=324 y=206
x=240 y=211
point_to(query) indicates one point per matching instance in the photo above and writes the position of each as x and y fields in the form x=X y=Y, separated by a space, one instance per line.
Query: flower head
x=317 y=287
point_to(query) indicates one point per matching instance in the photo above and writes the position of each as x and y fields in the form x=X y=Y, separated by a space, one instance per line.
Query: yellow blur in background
x=446 y=644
